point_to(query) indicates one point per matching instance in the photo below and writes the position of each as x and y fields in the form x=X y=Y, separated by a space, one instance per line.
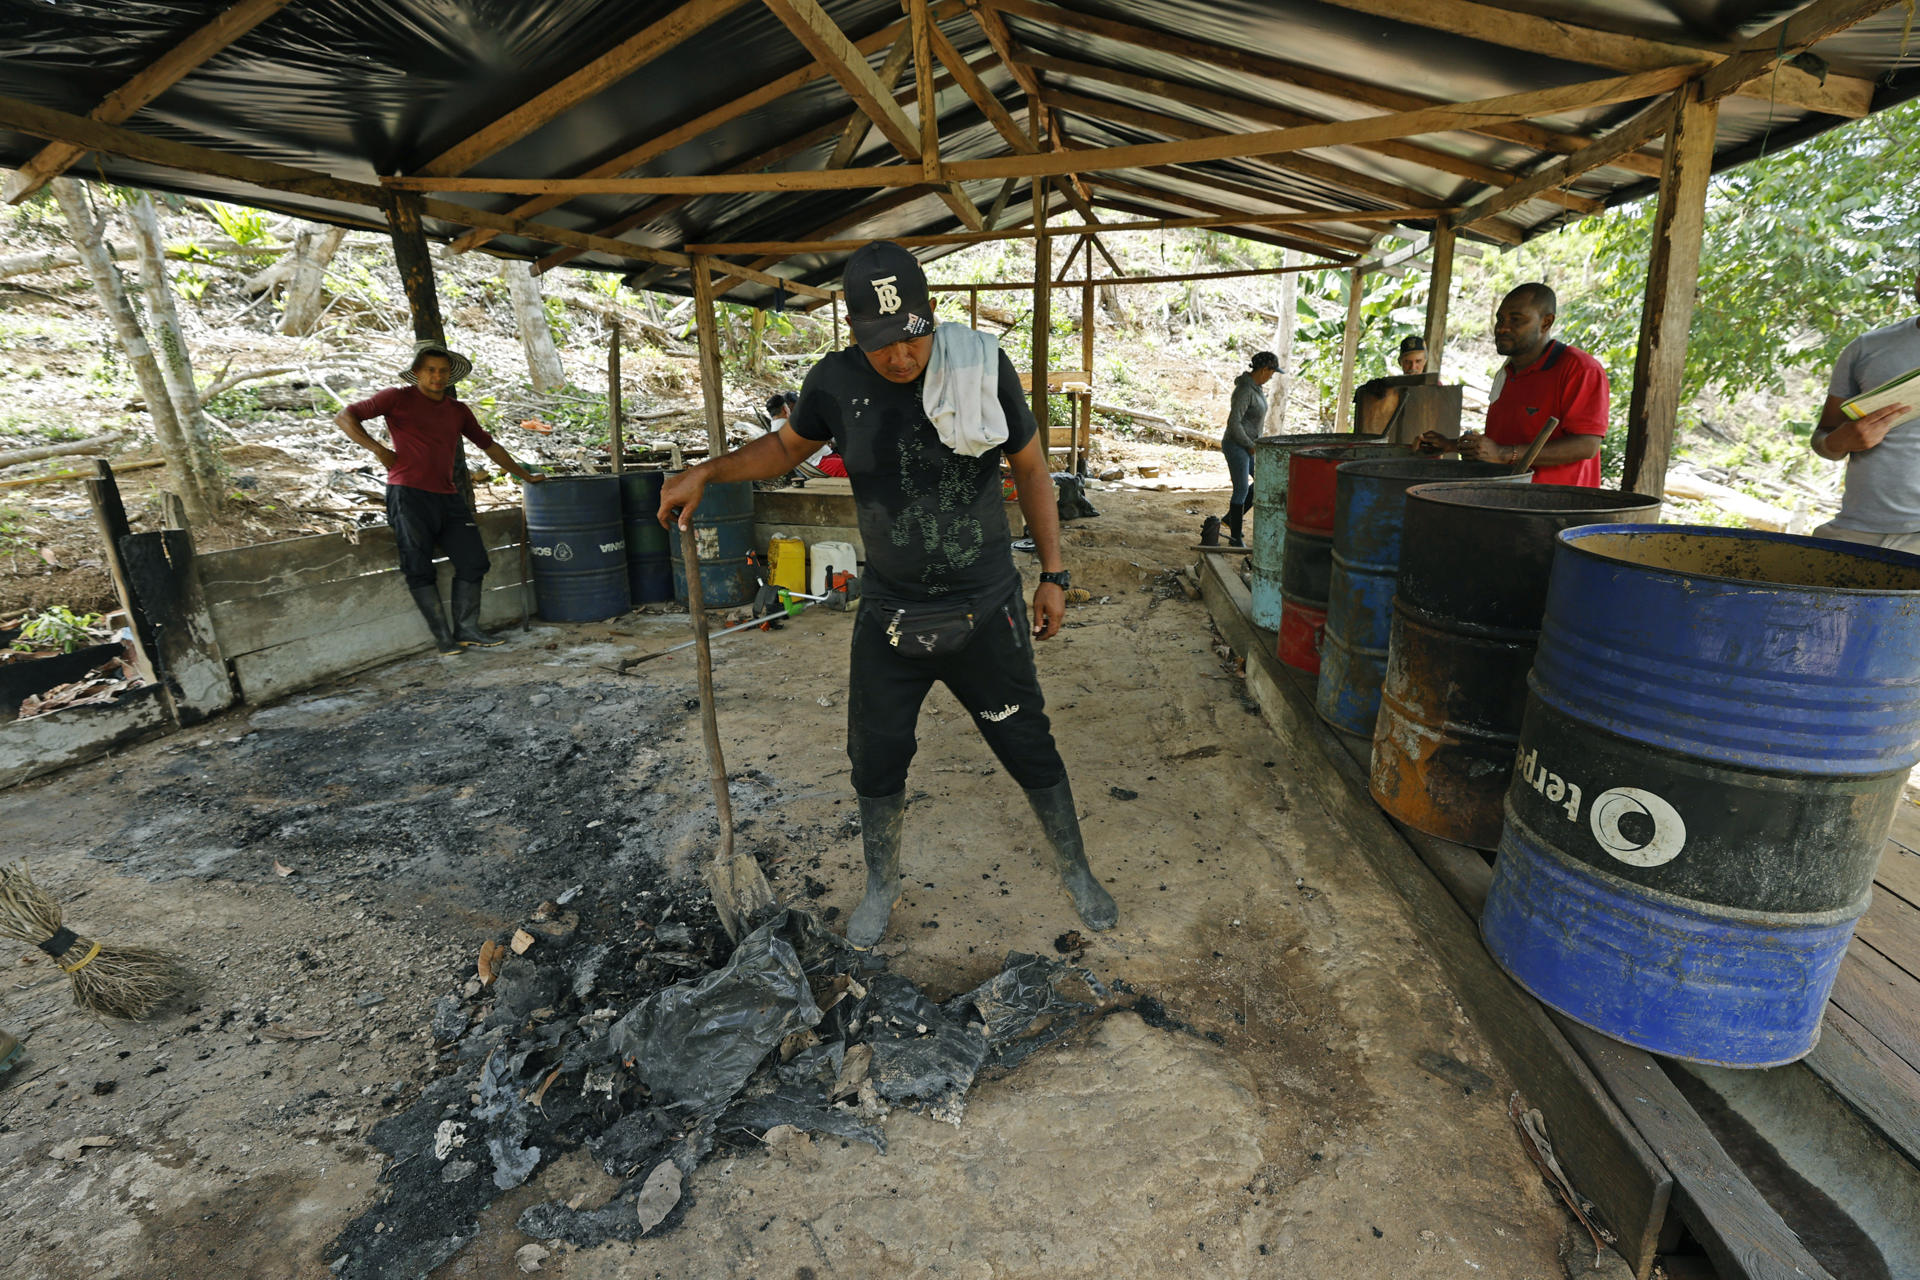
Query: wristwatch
x=1061 y=579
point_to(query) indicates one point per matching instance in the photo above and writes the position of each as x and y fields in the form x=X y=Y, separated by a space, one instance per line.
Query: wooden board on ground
x=1605 y=1156
x=42 y=744
x=1899 y=870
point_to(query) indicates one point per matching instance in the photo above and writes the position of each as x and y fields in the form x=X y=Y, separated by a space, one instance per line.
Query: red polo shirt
x=1564 y=383
x=426 y=434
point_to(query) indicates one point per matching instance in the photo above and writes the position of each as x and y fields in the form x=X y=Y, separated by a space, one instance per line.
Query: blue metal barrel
x=723 y=535
x=577 y=548
x=1369 y=508
x=649 y=567
x=1270 y=517
x=1718 y=727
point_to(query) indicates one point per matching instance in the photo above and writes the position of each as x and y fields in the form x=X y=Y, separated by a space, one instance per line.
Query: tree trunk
x=757 y=343
x=27 y=264
x=543 y=362
x=313 y=249
x=1286 y=315
x=176 y=362
x=112 y=292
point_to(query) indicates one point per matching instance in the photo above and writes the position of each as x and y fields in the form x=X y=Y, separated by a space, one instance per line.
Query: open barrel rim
x=1552 y=499
x=1573 y=540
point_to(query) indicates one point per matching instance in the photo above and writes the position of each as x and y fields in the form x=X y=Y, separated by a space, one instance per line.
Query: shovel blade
x=740 y=892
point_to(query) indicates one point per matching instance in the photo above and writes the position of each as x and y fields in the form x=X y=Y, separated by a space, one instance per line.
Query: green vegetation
x=57 y=628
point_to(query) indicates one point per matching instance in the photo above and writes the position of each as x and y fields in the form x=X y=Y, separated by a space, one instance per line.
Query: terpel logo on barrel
x=1633 y=825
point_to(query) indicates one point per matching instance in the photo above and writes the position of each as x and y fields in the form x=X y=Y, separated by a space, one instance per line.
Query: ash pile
x=652 y=1054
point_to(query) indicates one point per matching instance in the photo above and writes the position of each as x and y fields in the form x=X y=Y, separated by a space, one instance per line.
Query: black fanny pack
x=931 y=629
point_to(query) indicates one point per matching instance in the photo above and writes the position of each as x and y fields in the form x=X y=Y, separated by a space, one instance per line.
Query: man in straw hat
x=923 y=414
x=424 y=505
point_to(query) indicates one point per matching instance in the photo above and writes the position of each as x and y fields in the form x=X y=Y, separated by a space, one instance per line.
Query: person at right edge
x=1246 y=416
x=1881 y=503
x=1543 y=378
x=922 y=414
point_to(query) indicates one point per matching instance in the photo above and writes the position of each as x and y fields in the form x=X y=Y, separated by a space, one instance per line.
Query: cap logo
x=887 y=296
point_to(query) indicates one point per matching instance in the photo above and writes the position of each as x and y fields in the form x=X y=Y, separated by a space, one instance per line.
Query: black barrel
x=578 y=548
x=1474 y=562
x=723 y=535
x=649 y=569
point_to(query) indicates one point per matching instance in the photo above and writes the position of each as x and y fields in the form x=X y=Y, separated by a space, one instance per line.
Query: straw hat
x=428 y=347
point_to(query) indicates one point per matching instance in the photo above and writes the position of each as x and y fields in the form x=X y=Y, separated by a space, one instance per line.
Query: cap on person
x=1264 y=360
x=1412 y=342
x=886 y=296
x=460 y=365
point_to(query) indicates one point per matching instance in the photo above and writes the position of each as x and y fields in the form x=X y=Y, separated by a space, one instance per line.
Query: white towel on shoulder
x=962 y=390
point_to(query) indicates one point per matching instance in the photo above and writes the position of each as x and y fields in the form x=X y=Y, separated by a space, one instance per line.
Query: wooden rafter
x=788 y=248
x=1285 y=237
x=737 y=275
x=1280 y=117
x=1643 y=127
x=1181 y=277
x=696 y=126
x=1788 y=39
x=829 y=46
x=1297 y=234
x=608 y=69
x=1275 y=69
x=926 y=100
x=1787 y=86
x=860 y=124
x=149 y=83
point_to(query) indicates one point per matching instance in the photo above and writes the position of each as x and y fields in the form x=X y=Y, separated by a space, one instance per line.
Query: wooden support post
x=160 y=571
x=615 y=441
x=926 y=100
x=1083 y=426
x=1439 y=289
x=410 y=254
x=1673 y=271
x=1042 y=304
x=710 y=387
x=1349 y=348
x=110 y=521
x=836 y=322
x=973 y=308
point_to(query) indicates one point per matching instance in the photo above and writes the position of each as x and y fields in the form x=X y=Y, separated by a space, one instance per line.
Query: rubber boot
x=466 y=617
x=1054 y=807
x=880 y=834
x=1232 y=523
x=428 y=598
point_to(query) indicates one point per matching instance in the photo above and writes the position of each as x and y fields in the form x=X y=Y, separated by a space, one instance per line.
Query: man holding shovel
x=923 y=415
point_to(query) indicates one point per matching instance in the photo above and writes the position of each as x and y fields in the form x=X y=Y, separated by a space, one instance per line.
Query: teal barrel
x=723 y=535
x=578 y=548
x=649 y=566
x=1719 y=726
x=1370 y=499
x=1270 y=517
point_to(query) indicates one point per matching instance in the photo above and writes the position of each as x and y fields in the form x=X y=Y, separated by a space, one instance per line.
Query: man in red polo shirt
x=424 y=506
x=1543 y=378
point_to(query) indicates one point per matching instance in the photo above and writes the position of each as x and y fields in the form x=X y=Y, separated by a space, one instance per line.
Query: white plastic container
x=821 y=556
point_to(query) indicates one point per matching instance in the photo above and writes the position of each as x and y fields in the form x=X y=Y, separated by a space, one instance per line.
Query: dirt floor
x=1254 y=1106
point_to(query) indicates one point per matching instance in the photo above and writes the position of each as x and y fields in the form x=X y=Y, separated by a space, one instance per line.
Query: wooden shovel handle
x=709 y=721
x=1533 y=450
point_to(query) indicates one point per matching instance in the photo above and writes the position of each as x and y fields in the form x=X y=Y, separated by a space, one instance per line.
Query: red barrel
x=1306 y=564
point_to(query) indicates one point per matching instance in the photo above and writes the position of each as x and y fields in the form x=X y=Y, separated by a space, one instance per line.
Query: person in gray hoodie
x=1245 y=417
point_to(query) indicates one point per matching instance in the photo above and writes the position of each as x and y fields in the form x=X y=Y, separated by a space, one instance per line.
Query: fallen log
x=92 y=444
x=1155 y=423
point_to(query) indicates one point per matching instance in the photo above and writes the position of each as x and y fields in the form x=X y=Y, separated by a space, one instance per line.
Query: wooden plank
x=41 y=744
x=1873 y=1079
x=188 y=658
x=1899 y=870
x=1906 y=824
x=1727 y=1214
x=153 y=80
x=288 y=564
x=1021 y=286
x=1892 y=927
x=1606 y=1158
x=1612 y=148
x=853 y=134
x=1666 y=311
x=261 y=622
x=110 y=523
x=1880 y=996
x=682 y=21
x=1787 y=39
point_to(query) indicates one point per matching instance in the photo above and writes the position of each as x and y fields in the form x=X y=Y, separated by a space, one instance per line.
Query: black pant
x=993 y=677
x=421 y=521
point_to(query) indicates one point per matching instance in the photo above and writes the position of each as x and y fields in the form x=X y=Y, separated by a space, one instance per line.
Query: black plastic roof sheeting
x=361 y=88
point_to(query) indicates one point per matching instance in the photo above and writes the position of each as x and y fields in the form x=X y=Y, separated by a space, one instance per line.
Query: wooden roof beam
x=1183 y=277
x=1213 y=209
x=1291 y=238
x=149 y=83
x=860 y=124
x=830 y=47
x=1788 y=86
x=1280 y=117
x=1343 y=87
x=602 y=73
x=1818 y=21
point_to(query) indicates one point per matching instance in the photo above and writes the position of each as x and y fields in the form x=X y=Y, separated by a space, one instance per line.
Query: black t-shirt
x=932 y=519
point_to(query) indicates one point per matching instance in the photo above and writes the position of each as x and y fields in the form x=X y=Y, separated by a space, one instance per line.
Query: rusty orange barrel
x=1474 y=564
x=1306 y=558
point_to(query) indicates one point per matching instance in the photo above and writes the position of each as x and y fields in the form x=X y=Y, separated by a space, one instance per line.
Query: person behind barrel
x=1413 y=355
x=923 y=415
x=1543 y=378
x=1881 y=503
x=425 y=422
x=1246 y=416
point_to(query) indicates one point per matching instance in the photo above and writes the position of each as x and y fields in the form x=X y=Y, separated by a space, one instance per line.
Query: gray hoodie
x=1248 y=413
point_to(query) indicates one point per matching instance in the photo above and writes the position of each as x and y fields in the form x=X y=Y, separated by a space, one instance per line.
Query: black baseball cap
x=886 y=296
x=1412 y=342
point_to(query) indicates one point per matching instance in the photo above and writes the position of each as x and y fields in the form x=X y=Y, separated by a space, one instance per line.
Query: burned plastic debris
x=795 y=1028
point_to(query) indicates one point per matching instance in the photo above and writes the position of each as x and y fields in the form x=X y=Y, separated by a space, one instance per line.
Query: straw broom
x=120 y=982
